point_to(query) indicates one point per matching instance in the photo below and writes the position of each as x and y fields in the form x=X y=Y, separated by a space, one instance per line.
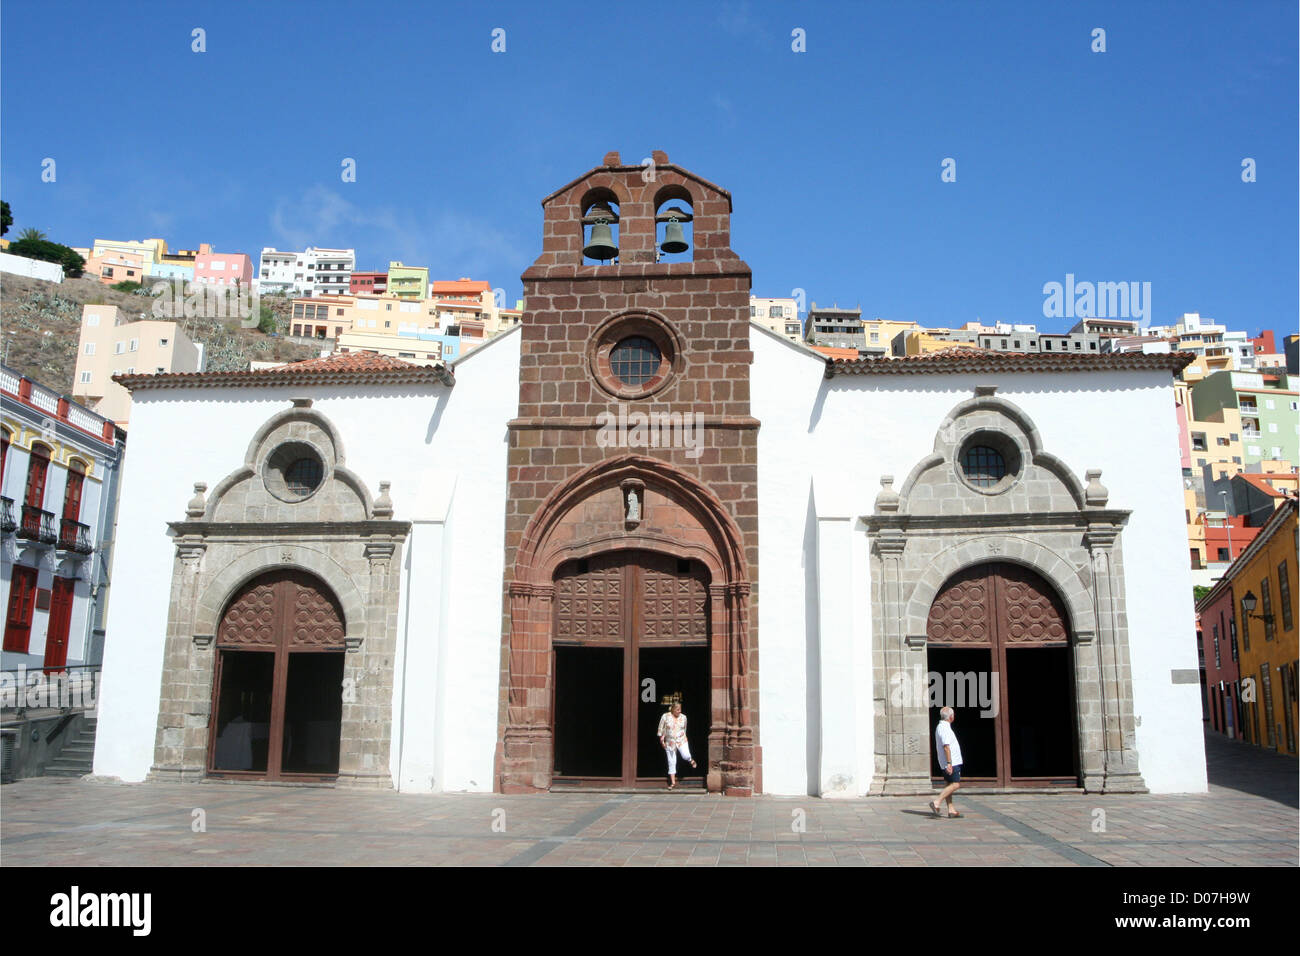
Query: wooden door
x=56 y=636
x=22 y=603
x=270 y=621
x=38 y=466
x=1015 y=615
x=631 y=601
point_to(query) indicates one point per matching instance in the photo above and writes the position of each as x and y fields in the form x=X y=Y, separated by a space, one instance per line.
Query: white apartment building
x=779 y=315
x=311 y=272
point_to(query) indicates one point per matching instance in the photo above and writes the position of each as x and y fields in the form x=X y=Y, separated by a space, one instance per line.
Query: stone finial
x=1095 y=495
x=887 y=499
x=659 y=156
x=198 y=505
x=384 y=504
x=613 y=159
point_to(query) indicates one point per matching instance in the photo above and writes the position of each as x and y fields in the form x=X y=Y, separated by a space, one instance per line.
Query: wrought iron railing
x=75 y=536
x=37 y=525
x=8 y=522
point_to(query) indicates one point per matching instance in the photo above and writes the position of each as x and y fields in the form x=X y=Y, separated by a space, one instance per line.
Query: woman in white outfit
x=672 y=737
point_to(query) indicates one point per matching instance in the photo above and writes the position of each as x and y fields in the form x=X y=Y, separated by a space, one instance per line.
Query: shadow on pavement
x=1237 y=765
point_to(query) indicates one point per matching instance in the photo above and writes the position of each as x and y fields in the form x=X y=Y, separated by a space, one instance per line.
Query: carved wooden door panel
x=999 y=606
x=631 y=600
x=278 y=614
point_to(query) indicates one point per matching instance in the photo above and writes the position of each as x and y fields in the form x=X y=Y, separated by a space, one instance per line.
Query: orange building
x=1263 y=583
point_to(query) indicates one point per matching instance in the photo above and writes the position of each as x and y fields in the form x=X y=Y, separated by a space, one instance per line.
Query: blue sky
x=1115 y=166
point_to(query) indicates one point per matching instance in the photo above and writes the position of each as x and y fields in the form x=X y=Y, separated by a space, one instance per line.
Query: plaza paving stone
x=1248 y=817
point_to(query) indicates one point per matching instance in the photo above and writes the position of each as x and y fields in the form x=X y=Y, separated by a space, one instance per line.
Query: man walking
x=948 y=751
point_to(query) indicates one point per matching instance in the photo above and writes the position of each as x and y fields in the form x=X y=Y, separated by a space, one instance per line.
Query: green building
x=408 y=282
x=1269 y=407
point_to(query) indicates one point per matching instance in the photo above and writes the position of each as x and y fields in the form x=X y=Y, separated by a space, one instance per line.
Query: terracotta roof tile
x=341 y=368
x=984 y=360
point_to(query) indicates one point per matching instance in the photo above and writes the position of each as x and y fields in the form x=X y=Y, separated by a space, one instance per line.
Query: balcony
x=75 y=536
x=37 y=525
x=8 y=523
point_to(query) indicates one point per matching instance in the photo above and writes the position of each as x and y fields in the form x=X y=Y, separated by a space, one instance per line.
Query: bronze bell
x=601 y=243
x=674 y=234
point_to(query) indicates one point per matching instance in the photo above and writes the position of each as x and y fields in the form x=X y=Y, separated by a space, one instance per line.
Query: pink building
x=222 y=268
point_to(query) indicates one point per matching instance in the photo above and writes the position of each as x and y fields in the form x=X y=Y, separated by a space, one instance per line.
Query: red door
x=56 y=638
x=72 y=493
x=37 y=467
x=22 y=600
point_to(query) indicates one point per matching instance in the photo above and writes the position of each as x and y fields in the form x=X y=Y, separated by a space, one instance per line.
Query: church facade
x=495 y=575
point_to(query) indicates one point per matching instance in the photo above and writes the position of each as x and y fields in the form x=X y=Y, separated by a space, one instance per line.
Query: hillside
x=40 y=323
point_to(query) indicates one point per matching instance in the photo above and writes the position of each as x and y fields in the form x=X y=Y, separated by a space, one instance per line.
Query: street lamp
x=1248 y=604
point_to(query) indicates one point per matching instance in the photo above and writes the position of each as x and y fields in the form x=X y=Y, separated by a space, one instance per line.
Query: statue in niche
x=633 y=507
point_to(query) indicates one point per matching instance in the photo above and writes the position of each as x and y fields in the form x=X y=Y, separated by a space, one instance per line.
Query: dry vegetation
x=41 y=322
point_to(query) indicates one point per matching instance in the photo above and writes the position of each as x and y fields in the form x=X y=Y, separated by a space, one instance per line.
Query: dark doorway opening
x=671 y=670
x=313 y=713
x=1040 y=704
x=589 y=712
x=962 y=669
x=244 y=711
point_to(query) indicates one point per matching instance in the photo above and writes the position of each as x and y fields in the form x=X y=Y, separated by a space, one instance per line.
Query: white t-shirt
x=943 y=735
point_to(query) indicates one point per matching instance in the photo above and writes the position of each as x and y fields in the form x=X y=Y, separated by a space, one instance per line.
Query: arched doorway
x=998 y=648
x=278 y=690
x=631 y=629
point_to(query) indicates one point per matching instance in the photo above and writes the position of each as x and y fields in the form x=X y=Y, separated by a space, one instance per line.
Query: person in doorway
x=672 y=737
x=948 y=751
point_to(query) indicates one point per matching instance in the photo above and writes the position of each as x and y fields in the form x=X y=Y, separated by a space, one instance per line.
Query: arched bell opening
x=674 y=233
x=599 y=224
x=999 y=651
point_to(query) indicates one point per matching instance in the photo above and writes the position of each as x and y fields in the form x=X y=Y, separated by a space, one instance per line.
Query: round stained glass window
x=303 y=477
x=983 y=466
x=634 y=361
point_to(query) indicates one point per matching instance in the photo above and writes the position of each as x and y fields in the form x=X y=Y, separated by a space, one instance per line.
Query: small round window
x=988 y=462
x=303 y=477
x=983 y=466
x=294 y=471
x=635 y=360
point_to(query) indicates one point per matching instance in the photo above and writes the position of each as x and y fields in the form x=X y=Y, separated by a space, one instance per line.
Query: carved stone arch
x=1057 y=571
x=950 y=435
x=535 y=560
x=300 y=425
x=226 y=582
x=583 y=517
x=298 y=413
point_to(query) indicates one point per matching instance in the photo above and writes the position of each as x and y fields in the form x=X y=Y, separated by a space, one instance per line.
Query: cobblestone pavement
x=1249 y=817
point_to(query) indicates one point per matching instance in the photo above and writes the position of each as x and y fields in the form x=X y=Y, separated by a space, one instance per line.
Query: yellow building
x=1264 y=588
x=111 y=344
x=150 y=251
x=416 y=351
x=925 y=341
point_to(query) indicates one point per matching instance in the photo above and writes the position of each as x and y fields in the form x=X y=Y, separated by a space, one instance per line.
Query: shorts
x=955 y=776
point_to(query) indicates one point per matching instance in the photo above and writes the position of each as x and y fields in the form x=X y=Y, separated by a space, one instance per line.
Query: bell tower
x=634 y=438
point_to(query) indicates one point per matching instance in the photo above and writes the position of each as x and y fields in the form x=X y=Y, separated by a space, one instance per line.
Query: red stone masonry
x=564 y=497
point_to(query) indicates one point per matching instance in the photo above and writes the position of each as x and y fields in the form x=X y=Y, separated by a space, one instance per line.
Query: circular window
x=983 y=466
x=634 y=355
x=988 y=462
x=303 y=476
x=635 y=360
x=294 y=471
